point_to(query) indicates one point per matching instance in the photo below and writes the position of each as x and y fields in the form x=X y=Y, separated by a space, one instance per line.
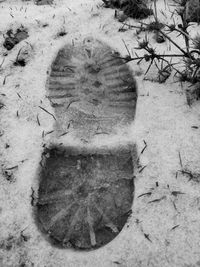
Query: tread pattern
x=91 y=86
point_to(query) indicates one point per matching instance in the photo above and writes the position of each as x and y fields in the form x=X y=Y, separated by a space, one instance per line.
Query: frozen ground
x=164 y=229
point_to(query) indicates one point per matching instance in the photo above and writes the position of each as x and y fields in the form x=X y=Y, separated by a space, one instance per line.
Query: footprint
x=85 y=194
x=91 y=88
x=84 y=197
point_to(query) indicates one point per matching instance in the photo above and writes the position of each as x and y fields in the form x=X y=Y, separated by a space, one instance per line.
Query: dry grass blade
x=47 y=112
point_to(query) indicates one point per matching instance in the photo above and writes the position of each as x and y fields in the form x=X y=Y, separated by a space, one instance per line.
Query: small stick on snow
x=19 y=95
x=38 y=121
x=144 y=147
x=142 y=169
x=180 y=159
x=48 y=112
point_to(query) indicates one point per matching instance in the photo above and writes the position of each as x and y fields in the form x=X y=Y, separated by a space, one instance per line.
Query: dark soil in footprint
x=91 y=88
x=13 y=39
x=84 y=197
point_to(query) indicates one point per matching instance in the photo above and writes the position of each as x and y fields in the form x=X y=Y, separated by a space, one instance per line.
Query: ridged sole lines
x=91 y=77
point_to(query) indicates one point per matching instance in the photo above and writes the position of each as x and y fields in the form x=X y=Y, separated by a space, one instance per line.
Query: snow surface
x=161 y=233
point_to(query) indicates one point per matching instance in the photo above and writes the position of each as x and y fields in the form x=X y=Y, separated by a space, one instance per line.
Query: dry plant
x=190 y=55
x=132 y=8
x=11 y=39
